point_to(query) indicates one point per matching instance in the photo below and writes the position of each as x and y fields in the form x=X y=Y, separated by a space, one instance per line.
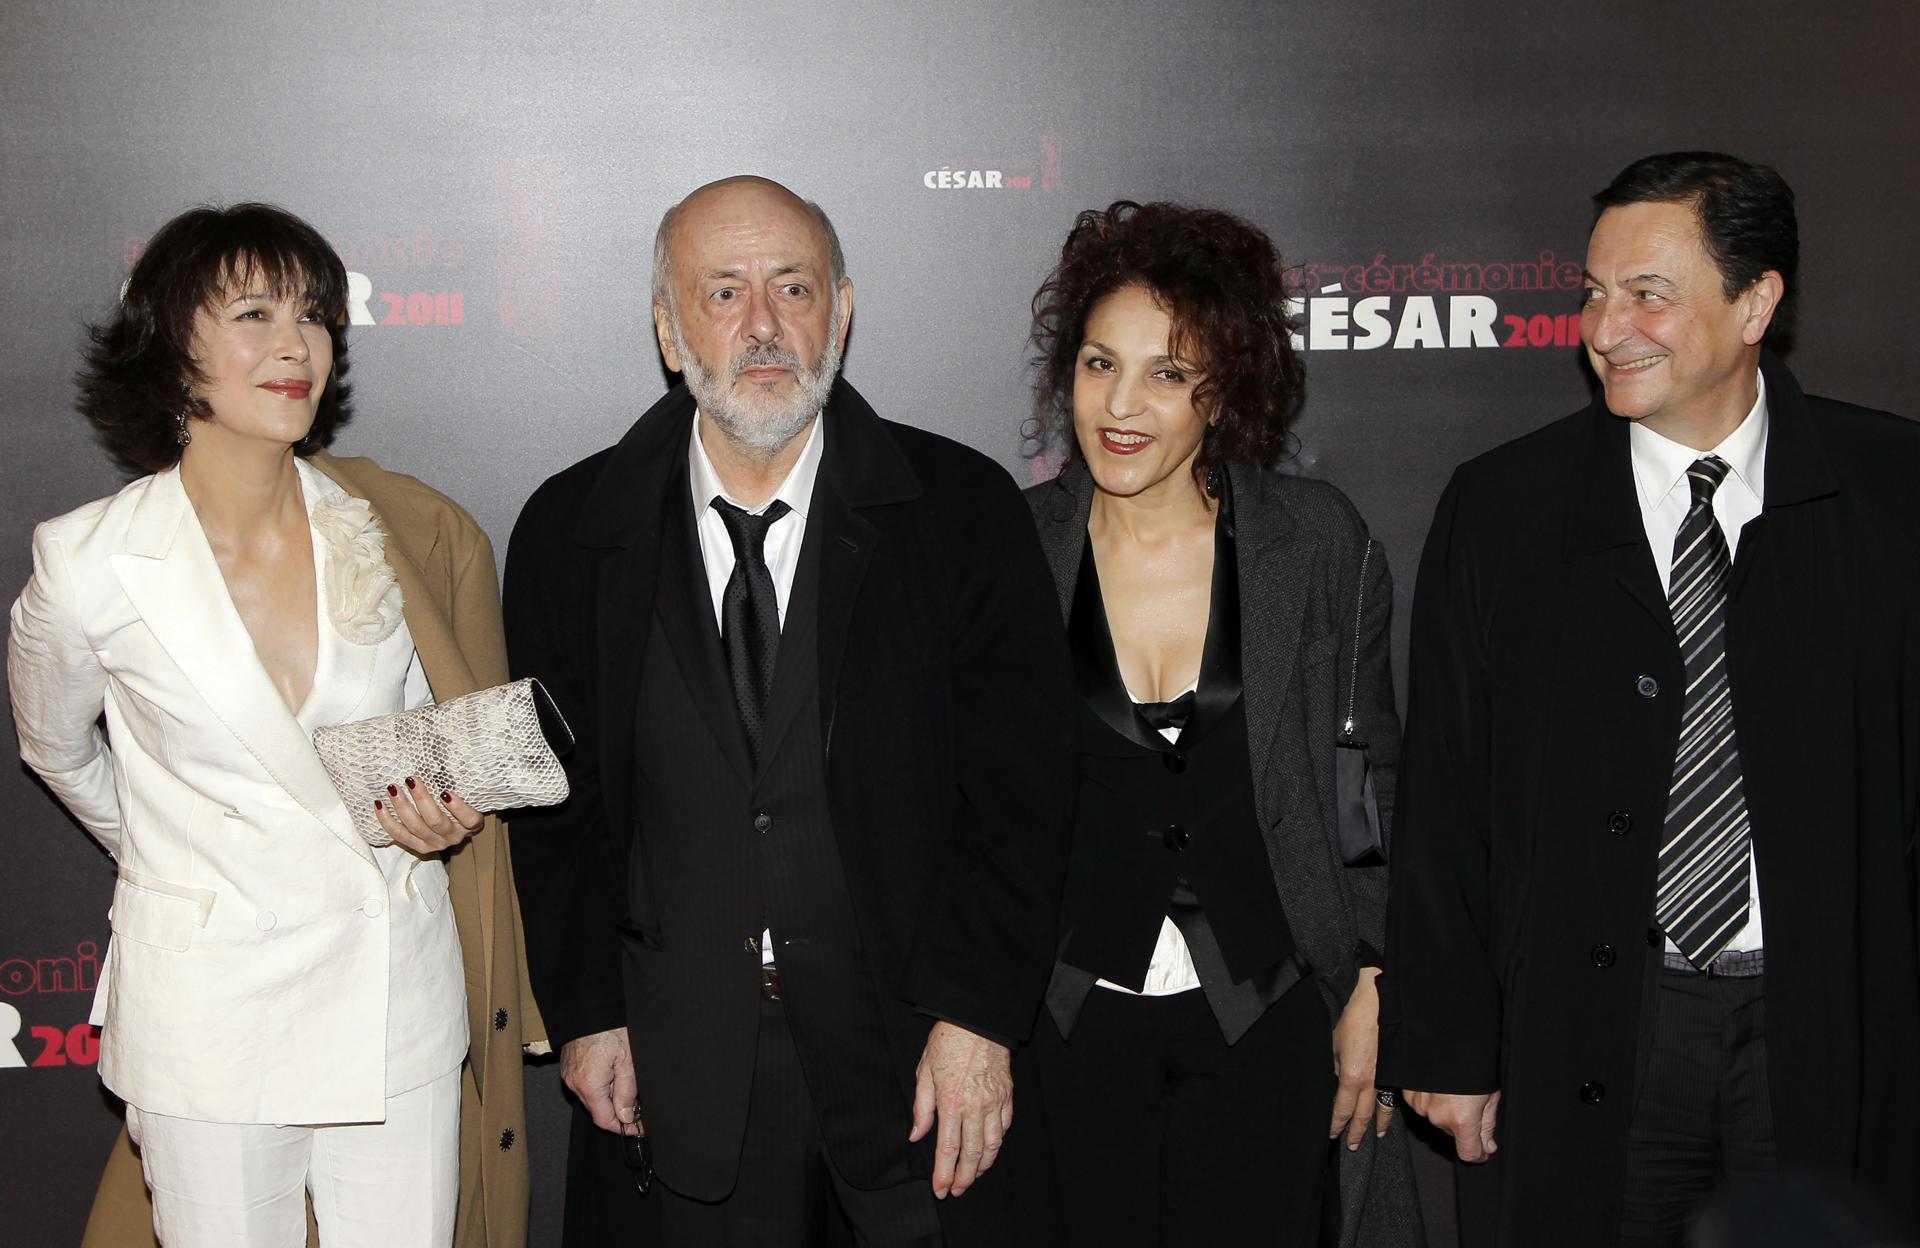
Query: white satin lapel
x=169 y=574
x=342 y=670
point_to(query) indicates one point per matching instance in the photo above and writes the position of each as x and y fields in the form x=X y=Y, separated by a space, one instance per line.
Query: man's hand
x=599 y=1070
x=1468 y=1119
x=964 y=1078
x=1356 y=1041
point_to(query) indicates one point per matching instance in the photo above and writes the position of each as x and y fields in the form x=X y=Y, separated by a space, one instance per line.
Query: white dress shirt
x=783 y=535
x=1171 y=969
x=1660 y=480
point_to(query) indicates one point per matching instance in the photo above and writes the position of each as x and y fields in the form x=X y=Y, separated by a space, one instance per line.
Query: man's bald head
x=742 y=194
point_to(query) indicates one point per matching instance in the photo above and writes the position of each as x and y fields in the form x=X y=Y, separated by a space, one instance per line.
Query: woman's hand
x=414 y=820
x=1356 y=1040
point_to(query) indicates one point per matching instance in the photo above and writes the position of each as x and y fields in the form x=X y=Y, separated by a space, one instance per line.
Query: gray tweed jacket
x=1312 y=645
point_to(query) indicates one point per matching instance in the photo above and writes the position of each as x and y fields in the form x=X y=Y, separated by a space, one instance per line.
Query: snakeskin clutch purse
x=490 y=747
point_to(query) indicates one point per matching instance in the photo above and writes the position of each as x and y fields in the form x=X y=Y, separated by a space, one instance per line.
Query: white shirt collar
x=1659 y=462
x=796 y=490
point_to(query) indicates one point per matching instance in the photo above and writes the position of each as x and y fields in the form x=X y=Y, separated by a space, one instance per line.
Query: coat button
x=506 y=1139
x=763 y=822
x=1175 y=763
x=1592 y=1093
x=500 y=1019
x=372 y=907
x=1648 y=687
x=1175 y=837
x=1602 y=955
x=1653 y=938
x=1619 y=823
x=265 y=920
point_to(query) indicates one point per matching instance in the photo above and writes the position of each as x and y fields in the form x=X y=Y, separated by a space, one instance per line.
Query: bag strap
x=1359 y=611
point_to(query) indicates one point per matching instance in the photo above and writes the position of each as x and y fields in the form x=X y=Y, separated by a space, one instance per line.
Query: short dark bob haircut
x=1219 y=280
x=134 y=378
x=1745 y=212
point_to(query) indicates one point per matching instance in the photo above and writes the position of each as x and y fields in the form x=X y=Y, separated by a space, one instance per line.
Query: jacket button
x=1175 y=837
x=265 y=920
x=763 y=822
x=1175 y=763
x=1592 y=1093
x=506 y=1139
x=500 y=1019
x=372 y=907
x=1648 y=687
x=1619 y=823
x=1602 y=956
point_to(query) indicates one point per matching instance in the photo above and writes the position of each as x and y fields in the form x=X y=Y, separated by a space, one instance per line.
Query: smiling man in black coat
x=802 y=899
x=1653 y=923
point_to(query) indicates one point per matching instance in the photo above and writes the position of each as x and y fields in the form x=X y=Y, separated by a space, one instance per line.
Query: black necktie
x=750 y=615
x=1706 y=860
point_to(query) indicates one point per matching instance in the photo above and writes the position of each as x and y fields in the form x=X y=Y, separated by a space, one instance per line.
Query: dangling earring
x=1215 y=479
x=180 y=435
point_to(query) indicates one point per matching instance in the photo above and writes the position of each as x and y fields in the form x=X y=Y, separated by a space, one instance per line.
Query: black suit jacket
x=947 y=721
x=1545 y=701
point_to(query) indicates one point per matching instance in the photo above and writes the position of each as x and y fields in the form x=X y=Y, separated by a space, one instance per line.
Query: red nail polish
x=446 y=797
x=409 y=781
x=392 y=791
x=378 y=804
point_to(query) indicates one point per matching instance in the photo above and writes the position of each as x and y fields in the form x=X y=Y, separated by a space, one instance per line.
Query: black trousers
x=1703 y=1117
x=789 y=1195
x=1166 y=1135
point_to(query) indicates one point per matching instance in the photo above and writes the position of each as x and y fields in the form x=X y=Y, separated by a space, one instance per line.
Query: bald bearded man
x=795 y=921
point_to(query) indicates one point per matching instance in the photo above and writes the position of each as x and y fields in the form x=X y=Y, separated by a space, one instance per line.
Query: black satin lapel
x=1219 y=686
x=1095 y=664
x=686 y=616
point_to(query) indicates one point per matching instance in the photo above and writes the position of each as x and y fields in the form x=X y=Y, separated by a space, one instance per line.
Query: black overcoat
x=1545 y=698
x=947 y=718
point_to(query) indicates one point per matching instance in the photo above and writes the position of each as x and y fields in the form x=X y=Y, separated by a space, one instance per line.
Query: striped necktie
x=1706 y=860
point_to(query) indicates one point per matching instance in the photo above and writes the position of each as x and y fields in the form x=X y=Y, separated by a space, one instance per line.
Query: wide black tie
x=1706 y=862
x=750 y=615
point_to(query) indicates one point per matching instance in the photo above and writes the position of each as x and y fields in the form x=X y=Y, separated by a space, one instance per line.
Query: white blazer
x=266 y=964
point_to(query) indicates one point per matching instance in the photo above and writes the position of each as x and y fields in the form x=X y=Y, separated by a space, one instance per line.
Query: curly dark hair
x=134 y=376
x=1745 y=212
x=1219 y=279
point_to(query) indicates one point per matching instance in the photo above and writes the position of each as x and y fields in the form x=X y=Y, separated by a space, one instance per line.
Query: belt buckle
x=1738 y=964
x=770 y=982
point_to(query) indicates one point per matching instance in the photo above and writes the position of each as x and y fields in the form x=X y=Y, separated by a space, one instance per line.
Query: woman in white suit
x=283 y=1006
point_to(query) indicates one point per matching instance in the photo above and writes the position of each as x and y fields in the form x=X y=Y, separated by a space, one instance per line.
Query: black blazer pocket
x=645 y=935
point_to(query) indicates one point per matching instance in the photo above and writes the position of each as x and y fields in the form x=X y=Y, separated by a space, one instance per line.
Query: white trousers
x=391 y=1184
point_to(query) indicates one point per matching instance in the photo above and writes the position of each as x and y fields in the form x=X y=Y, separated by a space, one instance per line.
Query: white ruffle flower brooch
x=363 y=599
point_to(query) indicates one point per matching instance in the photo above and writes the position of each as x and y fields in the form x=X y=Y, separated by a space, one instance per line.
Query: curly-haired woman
x=1213 y=1011
x=285 y=1009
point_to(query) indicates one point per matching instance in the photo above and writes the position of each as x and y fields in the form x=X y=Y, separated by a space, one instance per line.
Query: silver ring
x=1385 y=1097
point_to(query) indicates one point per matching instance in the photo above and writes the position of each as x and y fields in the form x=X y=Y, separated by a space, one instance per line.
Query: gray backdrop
x=494 y=172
